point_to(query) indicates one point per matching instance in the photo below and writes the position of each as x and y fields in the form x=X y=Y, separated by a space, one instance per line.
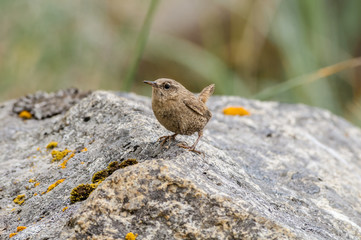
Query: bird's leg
x=192 y=148
x=164 y=139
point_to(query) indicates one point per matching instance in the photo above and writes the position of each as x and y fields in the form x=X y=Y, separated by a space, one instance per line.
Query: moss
x=100 y=176
x=52 y=145
x=59 y=155
x=19 y=199
x=112 y=167
x=128 y=162
x=131 y=236
x=81 y=192
x=20 y=228
x=25 y=115
x=52 y=186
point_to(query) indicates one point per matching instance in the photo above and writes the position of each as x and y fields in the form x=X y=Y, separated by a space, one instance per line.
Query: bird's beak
x=152 y=83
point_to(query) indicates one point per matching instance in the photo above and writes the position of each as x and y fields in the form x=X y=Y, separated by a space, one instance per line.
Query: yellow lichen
x=13 y=209
x=131 y=236
x=52 y=145
x=38 y=149
x=82 y=162
x=84 y=149
x=59 y=155
x=19 y=199
x=20 y=228
x=65 y=208
x=12 y=235
x=52 y=186
x=81 y=192
x=236 y=111
x=25 y=115
x=63 y=164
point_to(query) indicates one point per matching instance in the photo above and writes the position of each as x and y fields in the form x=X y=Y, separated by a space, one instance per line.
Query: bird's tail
x=206 y=93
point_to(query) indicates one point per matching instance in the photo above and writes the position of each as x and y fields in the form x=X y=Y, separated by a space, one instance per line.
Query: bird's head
x=165 y=88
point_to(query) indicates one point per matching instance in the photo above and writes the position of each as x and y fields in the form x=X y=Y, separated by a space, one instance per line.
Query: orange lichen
x=35 y=194
x=63 y=164
x=52 y=186
x=25 y=115
x=236 y=111
x=12 y=235
x=84 y=149
x=32 y=180
x=65 y=208
x=36 y=184
x=38 y=149
x=59 y=155
x=52 y=145
x=19 y=199
x=82 y=162
x=20 y=228
x=131 y=236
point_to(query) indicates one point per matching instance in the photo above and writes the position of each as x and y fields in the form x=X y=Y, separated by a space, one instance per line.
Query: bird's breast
x=177 y=117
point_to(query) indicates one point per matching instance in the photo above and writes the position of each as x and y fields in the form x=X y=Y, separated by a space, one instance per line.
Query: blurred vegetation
x=292 y=51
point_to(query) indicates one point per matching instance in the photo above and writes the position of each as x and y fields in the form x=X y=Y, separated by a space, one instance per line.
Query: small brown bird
x=179 y=110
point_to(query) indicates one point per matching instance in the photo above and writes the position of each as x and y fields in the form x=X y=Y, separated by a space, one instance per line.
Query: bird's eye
x=166 y=86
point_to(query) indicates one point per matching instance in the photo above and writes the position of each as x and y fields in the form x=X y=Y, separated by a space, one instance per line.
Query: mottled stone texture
x=45 y=105
x=285 y=172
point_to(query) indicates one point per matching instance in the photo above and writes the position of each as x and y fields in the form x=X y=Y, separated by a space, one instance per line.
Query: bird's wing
x=195 y=105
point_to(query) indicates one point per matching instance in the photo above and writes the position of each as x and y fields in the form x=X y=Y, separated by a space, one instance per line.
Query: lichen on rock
x=81 y=192
x=283 y=172
x=19 y=199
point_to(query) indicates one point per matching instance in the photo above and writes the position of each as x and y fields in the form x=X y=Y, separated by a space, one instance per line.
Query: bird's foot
x=189 y=148
x=165 y=139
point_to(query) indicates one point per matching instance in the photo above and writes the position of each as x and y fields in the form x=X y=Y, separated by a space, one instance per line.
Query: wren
x=179 y=110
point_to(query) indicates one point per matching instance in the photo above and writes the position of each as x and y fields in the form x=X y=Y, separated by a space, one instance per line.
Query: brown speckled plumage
x=179 y=110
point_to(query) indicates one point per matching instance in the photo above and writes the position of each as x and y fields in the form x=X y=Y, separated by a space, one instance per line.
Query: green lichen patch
x=128 y=162
x=112 y=167
x=81 y=192
x=100 y=176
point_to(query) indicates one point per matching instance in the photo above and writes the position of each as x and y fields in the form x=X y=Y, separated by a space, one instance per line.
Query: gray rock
x=285 y=172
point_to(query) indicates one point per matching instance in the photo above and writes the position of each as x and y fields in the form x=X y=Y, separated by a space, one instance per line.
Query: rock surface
x=285 y=172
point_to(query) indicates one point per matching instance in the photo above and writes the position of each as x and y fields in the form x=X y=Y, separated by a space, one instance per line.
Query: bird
x=179 y=110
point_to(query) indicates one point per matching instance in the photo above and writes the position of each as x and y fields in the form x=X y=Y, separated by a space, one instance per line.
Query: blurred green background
x=297 y=51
